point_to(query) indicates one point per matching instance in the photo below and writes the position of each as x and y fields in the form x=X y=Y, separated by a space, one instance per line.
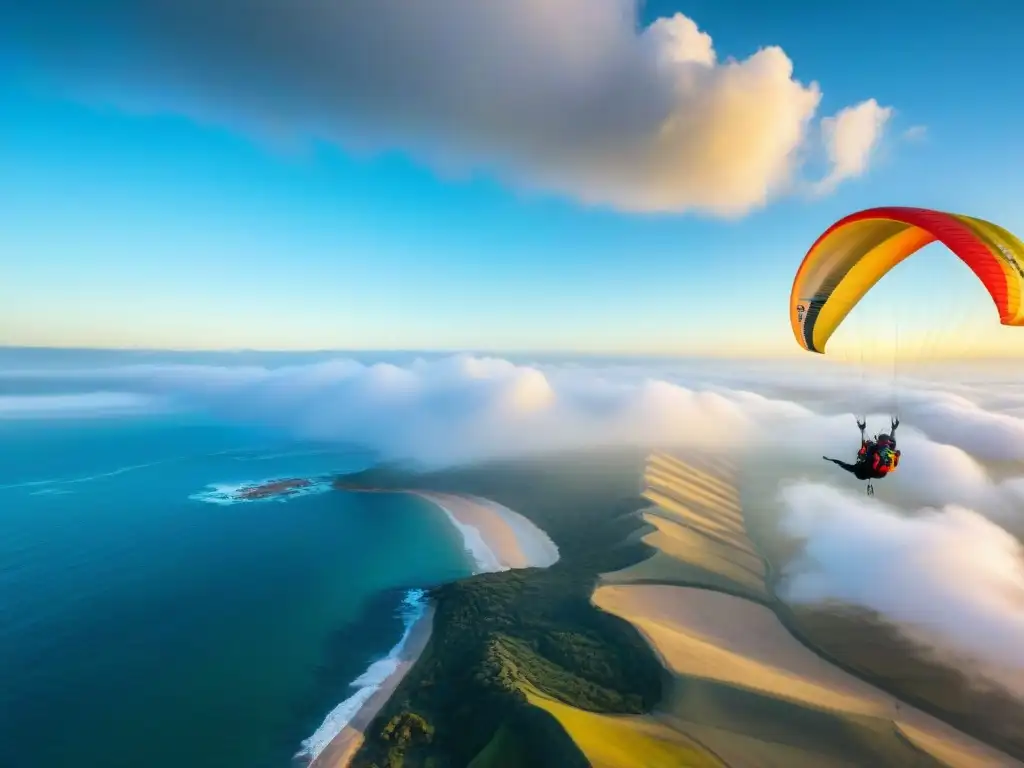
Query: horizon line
x=452 y=351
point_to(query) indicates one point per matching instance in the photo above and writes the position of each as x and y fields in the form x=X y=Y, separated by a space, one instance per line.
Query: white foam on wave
x=51 y=492
x=413 y=607
x=484 y=557
x=226 y=494
x=223 y=494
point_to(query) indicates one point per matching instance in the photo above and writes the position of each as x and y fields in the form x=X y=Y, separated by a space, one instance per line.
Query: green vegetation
x=407 y=729
x=503 y=751
x=497 y=636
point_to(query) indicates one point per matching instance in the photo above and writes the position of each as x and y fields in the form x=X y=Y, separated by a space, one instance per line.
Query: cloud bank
x=934 y=551
x=568 y=97
x=949 y=577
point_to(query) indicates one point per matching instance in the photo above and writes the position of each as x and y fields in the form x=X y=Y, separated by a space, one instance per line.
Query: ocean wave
x=88 y=478
x=50 y=492
x=284 y=454
x=412 y=609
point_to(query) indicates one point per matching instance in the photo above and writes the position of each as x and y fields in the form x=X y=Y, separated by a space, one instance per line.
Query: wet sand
x=342 y=748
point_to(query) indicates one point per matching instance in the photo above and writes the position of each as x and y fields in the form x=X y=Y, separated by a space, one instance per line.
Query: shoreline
x=496 y=539
x=342 y=747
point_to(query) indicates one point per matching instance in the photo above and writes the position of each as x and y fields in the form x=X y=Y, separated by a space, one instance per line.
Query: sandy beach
x=498 y=539
x=342 y=747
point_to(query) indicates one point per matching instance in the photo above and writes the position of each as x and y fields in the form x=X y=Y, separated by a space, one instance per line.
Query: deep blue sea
x=145 y=622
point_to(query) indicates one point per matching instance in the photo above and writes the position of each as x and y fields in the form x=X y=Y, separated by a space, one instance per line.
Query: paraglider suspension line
x=895 y=372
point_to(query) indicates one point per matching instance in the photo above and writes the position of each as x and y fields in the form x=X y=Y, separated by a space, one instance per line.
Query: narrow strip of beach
x=497 y=539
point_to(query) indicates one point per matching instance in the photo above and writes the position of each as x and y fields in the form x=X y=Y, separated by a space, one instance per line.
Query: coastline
x=341 y=748
x=497 y=539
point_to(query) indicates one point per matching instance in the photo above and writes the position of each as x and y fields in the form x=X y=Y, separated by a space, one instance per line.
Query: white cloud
x=851 y=137
x=916 y=133
x=949 y=577
x=568 y=97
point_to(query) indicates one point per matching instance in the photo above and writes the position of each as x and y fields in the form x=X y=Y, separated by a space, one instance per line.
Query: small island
x=273 y=488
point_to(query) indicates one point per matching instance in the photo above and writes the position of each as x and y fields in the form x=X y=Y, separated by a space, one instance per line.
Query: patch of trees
x=497 y=634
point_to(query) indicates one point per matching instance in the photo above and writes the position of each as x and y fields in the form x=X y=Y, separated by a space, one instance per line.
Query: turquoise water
x=143 y=624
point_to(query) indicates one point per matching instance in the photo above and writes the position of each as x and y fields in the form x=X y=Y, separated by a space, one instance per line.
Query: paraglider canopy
x=858 y=250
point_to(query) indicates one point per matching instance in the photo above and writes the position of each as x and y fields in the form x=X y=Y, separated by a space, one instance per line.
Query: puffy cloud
x=948 y=577
x=567 y=97
x=850 y=138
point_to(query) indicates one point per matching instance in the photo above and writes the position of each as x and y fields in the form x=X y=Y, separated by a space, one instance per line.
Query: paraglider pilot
x=875 y=459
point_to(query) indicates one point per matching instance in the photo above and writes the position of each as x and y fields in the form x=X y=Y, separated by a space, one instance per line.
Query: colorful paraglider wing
x=858 y=250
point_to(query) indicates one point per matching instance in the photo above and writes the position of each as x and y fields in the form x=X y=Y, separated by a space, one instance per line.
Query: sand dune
x=702 y=496
x=705 y=634
x=699 y=530
x=685 y=555
x=684 y=542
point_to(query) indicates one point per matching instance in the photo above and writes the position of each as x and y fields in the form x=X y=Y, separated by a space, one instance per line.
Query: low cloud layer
x=569 y=97
x=949 y=577
x=952 y=566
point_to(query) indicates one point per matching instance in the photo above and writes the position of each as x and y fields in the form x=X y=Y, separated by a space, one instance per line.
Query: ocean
x=147 y=618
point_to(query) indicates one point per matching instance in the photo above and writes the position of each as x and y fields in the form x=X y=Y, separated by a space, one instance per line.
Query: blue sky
x=138 y=227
